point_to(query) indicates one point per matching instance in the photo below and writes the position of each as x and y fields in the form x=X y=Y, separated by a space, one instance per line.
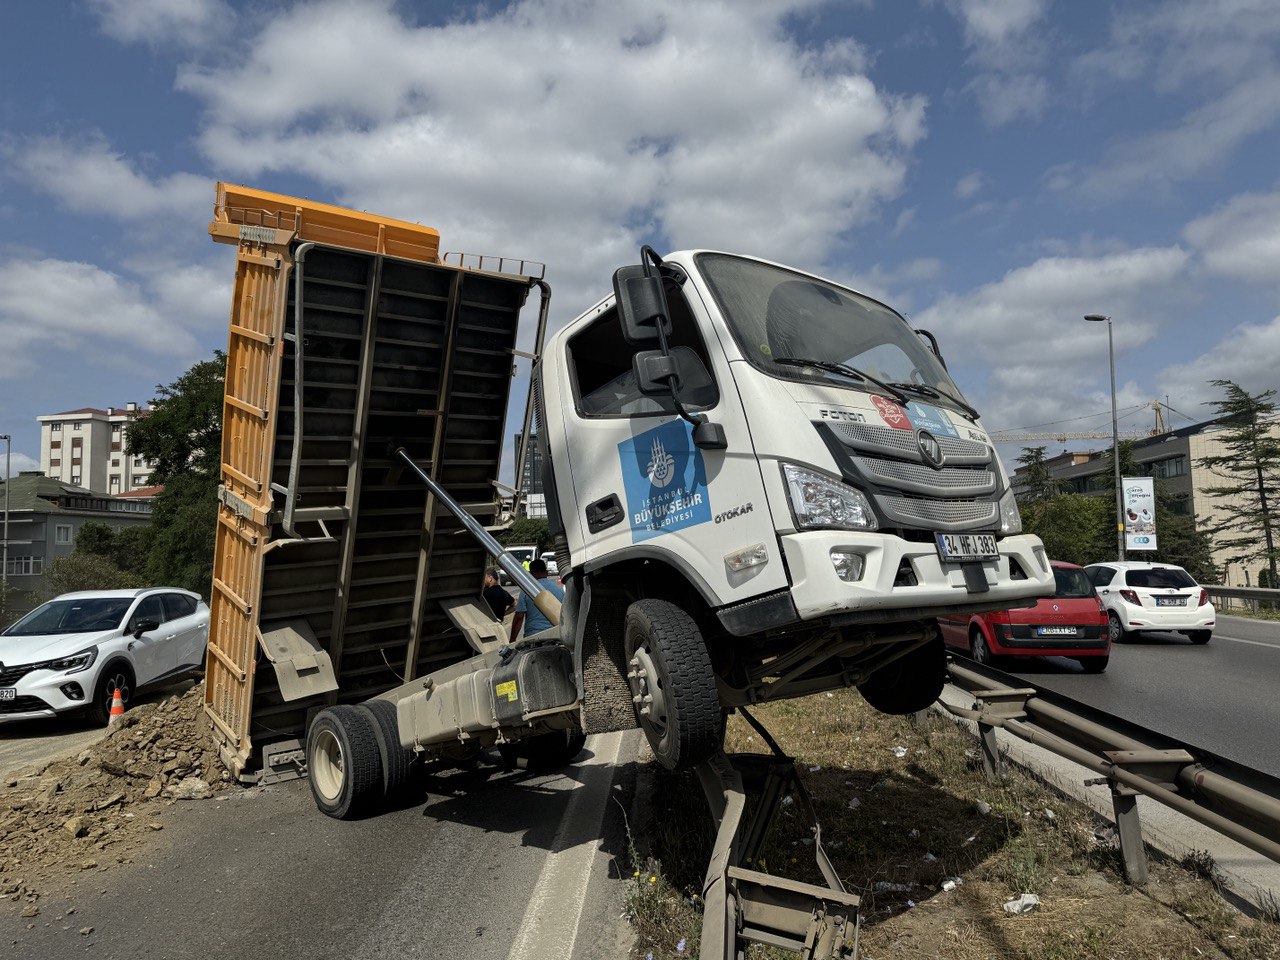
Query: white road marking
x=1256 y=643
x=550 y=925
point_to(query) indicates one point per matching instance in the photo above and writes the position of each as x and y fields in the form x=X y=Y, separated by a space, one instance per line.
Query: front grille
x=23 y=705
x=908 y=476
x=902 y=443
x=970 y=512
x=11 y=675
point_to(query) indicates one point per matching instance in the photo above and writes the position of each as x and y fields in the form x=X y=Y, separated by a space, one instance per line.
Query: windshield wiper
x=853 y=373
x=931 y=391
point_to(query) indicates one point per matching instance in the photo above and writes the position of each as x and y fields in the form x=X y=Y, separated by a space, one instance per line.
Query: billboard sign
x=1139 y=513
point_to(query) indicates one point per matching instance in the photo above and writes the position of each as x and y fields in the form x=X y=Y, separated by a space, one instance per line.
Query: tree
x=13 y=602
x=1246 y=520
x=1037 y=483
x=1074 y=528
x=183 y=438
x=528 y=530
x=87 y=571
x=127 y=547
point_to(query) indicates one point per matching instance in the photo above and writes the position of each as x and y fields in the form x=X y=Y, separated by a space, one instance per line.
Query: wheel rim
x=1113 y=623
x=327 y=765
x=117 y=681
x=980 y=652
x=648 y=696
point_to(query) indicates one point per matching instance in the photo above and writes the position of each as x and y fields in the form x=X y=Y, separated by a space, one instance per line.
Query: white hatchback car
x=77 y=650
x=1152 y=596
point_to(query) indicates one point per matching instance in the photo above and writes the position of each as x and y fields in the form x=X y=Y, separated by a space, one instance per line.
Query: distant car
x=553 y=567
x=1072 y=623
x=74 y=652
x=523 y=553
x=1152 y=596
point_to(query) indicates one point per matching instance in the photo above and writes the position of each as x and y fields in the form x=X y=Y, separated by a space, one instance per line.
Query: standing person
x=527 y=615
x=500 y=602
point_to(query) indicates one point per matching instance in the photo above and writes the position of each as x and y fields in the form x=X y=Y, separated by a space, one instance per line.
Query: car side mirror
x=144 y=626
x=642 y=304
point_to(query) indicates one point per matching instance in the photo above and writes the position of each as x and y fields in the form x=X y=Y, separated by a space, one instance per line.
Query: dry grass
x=916 y=821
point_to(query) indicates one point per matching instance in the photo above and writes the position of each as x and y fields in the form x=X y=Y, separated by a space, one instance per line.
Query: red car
x=1072 y=623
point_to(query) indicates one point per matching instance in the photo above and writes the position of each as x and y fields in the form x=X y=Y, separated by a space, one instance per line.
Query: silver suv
x=1152 y=596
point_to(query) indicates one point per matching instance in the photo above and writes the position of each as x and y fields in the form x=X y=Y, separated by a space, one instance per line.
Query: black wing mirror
x=144 y=626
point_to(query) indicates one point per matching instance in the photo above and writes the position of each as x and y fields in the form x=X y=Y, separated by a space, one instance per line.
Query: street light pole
x=4 y=565
x=1115 y=434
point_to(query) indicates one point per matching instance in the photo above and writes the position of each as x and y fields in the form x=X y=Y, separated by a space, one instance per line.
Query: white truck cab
x=791 y=483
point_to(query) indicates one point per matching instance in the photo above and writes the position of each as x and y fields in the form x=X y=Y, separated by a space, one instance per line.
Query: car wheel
x=116 y=675
x=1094 y=664
x=980 y=650
x=1200 y=636
x=672 y=684
x=344 y=765
x=1116 y=630
x=909 y=684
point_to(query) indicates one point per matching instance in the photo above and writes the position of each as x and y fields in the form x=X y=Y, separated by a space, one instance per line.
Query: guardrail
x=1249 y=597
x=1227 y=797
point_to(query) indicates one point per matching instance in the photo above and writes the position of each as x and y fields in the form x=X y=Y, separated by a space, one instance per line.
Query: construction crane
x=1161 y=426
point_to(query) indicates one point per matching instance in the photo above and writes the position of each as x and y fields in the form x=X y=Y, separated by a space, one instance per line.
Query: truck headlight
x=820 y=502
x=76 y=662
x=1010 y=517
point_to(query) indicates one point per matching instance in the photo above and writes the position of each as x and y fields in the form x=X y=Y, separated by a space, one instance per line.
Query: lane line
x=550 y=925
x=1256 y=643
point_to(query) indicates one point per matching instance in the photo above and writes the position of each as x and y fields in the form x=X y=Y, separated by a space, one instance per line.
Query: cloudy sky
x=993 y=168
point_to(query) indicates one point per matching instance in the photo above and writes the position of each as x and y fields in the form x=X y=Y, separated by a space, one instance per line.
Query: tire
x=1094 y=664
x=109 y=678
x=343 y=762
x=911 y=683
x=980 y=650
x=395 y=758
x=669 y=665
x=546 y=751
x=1200 y=637
x=1116 y=629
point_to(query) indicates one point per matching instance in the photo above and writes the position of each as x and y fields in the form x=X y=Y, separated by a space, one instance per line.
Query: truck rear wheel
x=672 y=684
x=343 y=762
x=911 y=683
x=395 y=758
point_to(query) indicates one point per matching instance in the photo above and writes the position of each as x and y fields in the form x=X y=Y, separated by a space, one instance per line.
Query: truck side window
x=600 y=365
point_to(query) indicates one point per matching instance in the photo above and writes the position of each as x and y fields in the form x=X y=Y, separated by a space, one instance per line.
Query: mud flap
x=601 y=660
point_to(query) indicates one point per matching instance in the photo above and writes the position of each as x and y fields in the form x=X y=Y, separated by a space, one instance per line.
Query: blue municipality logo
x=665 y=481
x=931 y=419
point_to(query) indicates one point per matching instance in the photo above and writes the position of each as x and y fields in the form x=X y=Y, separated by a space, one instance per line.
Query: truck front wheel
x=911 y=683
x=672 y=684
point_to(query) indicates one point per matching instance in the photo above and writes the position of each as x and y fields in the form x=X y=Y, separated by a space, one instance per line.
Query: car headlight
x=76 y=662
x=819 y=501
x=1010 y=516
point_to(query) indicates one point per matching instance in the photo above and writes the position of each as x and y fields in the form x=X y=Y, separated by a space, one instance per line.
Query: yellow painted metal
x=264 y=225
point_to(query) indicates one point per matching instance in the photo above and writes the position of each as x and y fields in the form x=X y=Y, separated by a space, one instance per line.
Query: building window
x=115 y=483
x=76 y=443
x=25 y=566
x=1170 y=467
x=115 y=429
x=58 y=463
x=56 y=427
x=76 y=426
x=115 y=461
x=55 y=445
x=139 y=482
x=75 y=478
x=62 y=534
x=137 y=461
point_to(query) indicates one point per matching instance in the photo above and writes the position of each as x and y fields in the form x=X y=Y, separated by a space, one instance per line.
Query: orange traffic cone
x=117 y=708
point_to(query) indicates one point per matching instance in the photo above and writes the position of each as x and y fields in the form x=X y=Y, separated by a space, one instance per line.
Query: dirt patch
x=934 y=849
x=93 y=811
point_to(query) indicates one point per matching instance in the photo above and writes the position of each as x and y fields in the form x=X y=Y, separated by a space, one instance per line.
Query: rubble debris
x=1023 y=904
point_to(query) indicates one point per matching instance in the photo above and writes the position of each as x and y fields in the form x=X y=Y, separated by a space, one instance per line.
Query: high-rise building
x=533 y=498
x=90 y=448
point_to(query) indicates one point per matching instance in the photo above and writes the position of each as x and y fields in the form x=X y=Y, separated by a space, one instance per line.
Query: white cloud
x=1027 y=335
x=1006 y=52
x=1241 y=239
x=969 y=185
x=90 y=177
x=20 y=462
x=607 y=123
x=80 y=308
x=1247 y=354
x=188 y=22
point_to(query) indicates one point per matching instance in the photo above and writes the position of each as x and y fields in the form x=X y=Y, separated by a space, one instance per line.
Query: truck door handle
x=604 y=513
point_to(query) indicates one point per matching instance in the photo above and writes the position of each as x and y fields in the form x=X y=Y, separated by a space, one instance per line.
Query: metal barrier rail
x=1227 y=797
x=1243 y=593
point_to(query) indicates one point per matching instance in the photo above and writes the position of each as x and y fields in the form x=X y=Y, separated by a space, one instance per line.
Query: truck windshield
x=777 y=313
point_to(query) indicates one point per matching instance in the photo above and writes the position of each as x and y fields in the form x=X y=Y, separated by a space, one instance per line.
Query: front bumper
x=1166 y=618
x=40 y=694
x=818 y=592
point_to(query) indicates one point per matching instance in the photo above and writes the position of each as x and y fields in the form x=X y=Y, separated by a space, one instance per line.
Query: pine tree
x=1246 y=517
x=1037 y=484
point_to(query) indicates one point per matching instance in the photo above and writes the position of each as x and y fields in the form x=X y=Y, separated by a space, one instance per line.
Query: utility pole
x=1115 y=434
x=8 y=479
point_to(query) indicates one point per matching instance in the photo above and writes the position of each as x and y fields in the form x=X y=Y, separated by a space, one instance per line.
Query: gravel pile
x=88 y=812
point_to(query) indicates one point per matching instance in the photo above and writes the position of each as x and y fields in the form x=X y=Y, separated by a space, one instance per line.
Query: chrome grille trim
x=940 y=513
x=902 y=444
x=958 y=482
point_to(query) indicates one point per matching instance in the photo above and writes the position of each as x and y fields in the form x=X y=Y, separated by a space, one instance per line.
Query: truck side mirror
x=681 y=374
x=642 y=304
x=933 y=345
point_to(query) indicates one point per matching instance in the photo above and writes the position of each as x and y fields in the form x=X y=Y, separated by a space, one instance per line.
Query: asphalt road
x=1224 y=696
x=488 y=864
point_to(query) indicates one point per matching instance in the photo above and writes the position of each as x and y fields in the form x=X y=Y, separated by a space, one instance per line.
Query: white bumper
x=818 y=592
x=1166 y=618
x=46 y=687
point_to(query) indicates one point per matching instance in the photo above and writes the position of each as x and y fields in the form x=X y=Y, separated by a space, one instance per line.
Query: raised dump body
x=329 y=573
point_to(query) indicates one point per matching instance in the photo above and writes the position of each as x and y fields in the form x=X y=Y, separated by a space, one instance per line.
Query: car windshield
x=1168 y=577
x=778 y=314
x=1071 y=584
x=86 y=615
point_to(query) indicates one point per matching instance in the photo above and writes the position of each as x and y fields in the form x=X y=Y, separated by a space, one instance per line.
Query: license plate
x=1056 y=631
x=8 y=693
x=967 y=546
x=1171 y=601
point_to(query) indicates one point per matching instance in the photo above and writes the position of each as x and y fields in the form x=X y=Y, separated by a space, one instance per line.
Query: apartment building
x=90 y=448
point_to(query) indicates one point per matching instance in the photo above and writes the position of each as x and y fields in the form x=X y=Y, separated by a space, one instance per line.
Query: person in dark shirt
x=500 y=602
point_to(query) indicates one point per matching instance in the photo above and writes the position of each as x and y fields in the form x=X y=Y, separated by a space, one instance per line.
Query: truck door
x=641 y=488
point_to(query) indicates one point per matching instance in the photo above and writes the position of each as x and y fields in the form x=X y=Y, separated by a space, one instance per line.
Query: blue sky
x=994 y=168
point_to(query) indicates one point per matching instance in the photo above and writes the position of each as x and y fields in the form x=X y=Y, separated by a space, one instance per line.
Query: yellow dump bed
x=331 y=574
